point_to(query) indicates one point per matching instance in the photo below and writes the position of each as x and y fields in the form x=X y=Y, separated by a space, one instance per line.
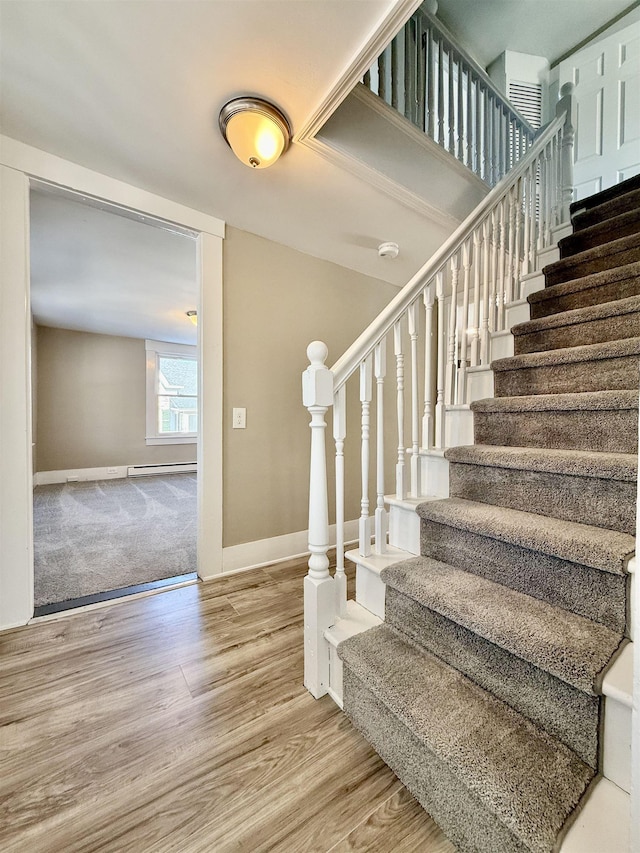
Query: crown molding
x=373 y=177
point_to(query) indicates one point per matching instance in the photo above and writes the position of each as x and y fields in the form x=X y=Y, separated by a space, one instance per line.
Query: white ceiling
x=548 y=28
x=133 y=89
x=95 y=271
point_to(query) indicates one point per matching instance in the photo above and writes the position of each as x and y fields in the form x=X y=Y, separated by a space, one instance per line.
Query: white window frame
x=155 y=349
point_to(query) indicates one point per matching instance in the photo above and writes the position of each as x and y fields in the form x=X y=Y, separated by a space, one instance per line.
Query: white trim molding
x=383 y=31
x=277 y=549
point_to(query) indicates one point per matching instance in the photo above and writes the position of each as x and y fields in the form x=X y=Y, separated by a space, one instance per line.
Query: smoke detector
x=388 y=250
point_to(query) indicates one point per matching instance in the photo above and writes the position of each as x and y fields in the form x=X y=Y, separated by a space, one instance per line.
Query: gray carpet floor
x=102 y=535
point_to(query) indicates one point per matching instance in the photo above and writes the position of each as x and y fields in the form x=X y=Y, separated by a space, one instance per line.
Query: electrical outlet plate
x=239 y=418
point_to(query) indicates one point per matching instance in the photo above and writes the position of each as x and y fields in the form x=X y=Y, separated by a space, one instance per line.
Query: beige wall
x=276 y=301
x=91 y=403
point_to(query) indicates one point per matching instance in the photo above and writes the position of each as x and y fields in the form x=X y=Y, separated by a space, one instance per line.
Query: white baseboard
x=80 y=475
x=277 y=549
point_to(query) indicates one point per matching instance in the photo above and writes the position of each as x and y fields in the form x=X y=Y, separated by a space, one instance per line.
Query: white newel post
x=566 y=104
x=319 y=593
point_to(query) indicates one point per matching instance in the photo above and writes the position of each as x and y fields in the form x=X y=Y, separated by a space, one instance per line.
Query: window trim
x=153 y=351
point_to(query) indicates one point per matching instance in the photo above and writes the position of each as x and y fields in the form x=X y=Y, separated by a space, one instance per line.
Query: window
x=172 y=393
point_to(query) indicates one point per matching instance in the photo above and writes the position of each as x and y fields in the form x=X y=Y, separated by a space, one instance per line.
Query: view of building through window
x=177 y=395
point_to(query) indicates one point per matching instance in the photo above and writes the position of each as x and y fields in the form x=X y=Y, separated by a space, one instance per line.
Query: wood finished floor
x=178 y=722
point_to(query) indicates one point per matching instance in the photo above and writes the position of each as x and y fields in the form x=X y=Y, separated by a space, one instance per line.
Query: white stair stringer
x=603 y=824
x=356 y=620
x=370 y=590
x=617 y=688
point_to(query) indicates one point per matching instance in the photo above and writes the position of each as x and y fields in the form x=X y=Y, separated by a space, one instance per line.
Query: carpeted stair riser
x=565 y=712
x=589 y=592
x=585 y=500
x=626 y=250
x=492 y=779
x=607 y=210
x=612 y=321
x=600 y=233
x=612 y=366
x=614 y=430
x=595 y=289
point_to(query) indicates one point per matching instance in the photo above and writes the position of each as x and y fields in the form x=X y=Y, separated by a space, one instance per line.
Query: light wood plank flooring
x=178 y=722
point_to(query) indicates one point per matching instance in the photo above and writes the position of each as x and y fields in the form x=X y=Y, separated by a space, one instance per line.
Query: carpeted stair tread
x=606 y=210
x=618 y=283
x=608 y=365
x=593 y=324
x=630 y=305
x=586 y=401
x=527 y=780
x=600 y=233
x=605 y=196
x=567 y=355
x=596 y=547
x=580 y=463
x=568 y=646
x=626 y=250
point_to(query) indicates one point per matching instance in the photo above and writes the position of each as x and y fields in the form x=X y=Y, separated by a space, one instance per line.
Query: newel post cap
x=317 y=379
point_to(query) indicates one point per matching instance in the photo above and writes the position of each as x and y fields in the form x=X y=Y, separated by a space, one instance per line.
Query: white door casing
x=19 y=165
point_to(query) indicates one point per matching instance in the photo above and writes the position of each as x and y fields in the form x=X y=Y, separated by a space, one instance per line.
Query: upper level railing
x=443 y=91
x=469 y=281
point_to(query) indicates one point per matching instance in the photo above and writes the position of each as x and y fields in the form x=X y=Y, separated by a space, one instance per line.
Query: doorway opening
x=115 y=401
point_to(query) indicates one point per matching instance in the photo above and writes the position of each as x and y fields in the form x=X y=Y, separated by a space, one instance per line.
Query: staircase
x=483 y=689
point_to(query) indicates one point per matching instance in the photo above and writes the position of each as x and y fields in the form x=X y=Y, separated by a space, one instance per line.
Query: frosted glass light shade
x=256 y=131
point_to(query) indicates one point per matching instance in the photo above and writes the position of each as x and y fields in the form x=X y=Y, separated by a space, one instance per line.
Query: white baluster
x=401 y=491
x=517 y=267
x=430 y=63
x=484 y=335
x=486 y=112
x=566 y=104
x=493 y=324
x=451 y=354
x=442 y=358
x=533 y=222
x=339 y=435
x=475 y=335
x=365 y=401
x=527 y=188
x=452 y=116
x=440 y=139
x=412 y=317
x=395 y=72
x=469 y=123
x=502 y=257
x=380 y=371
x=464 y=335
x=421 y=83
x=478 y=132
x=319 y=595
x=511 y=272
x=548 y=195
x=383 y=64
x=427 y=415
x=460 y=130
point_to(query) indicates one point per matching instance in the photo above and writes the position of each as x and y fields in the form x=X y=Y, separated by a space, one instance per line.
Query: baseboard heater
x=169 y=468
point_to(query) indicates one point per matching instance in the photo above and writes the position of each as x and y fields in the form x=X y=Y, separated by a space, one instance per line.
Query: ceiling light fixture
x=193 y=316
x=255 y=130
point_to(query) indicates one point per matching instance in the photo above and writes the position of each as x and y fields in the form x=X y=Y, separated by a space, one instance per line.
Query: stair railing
x=479 y=269
x=431 y=80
